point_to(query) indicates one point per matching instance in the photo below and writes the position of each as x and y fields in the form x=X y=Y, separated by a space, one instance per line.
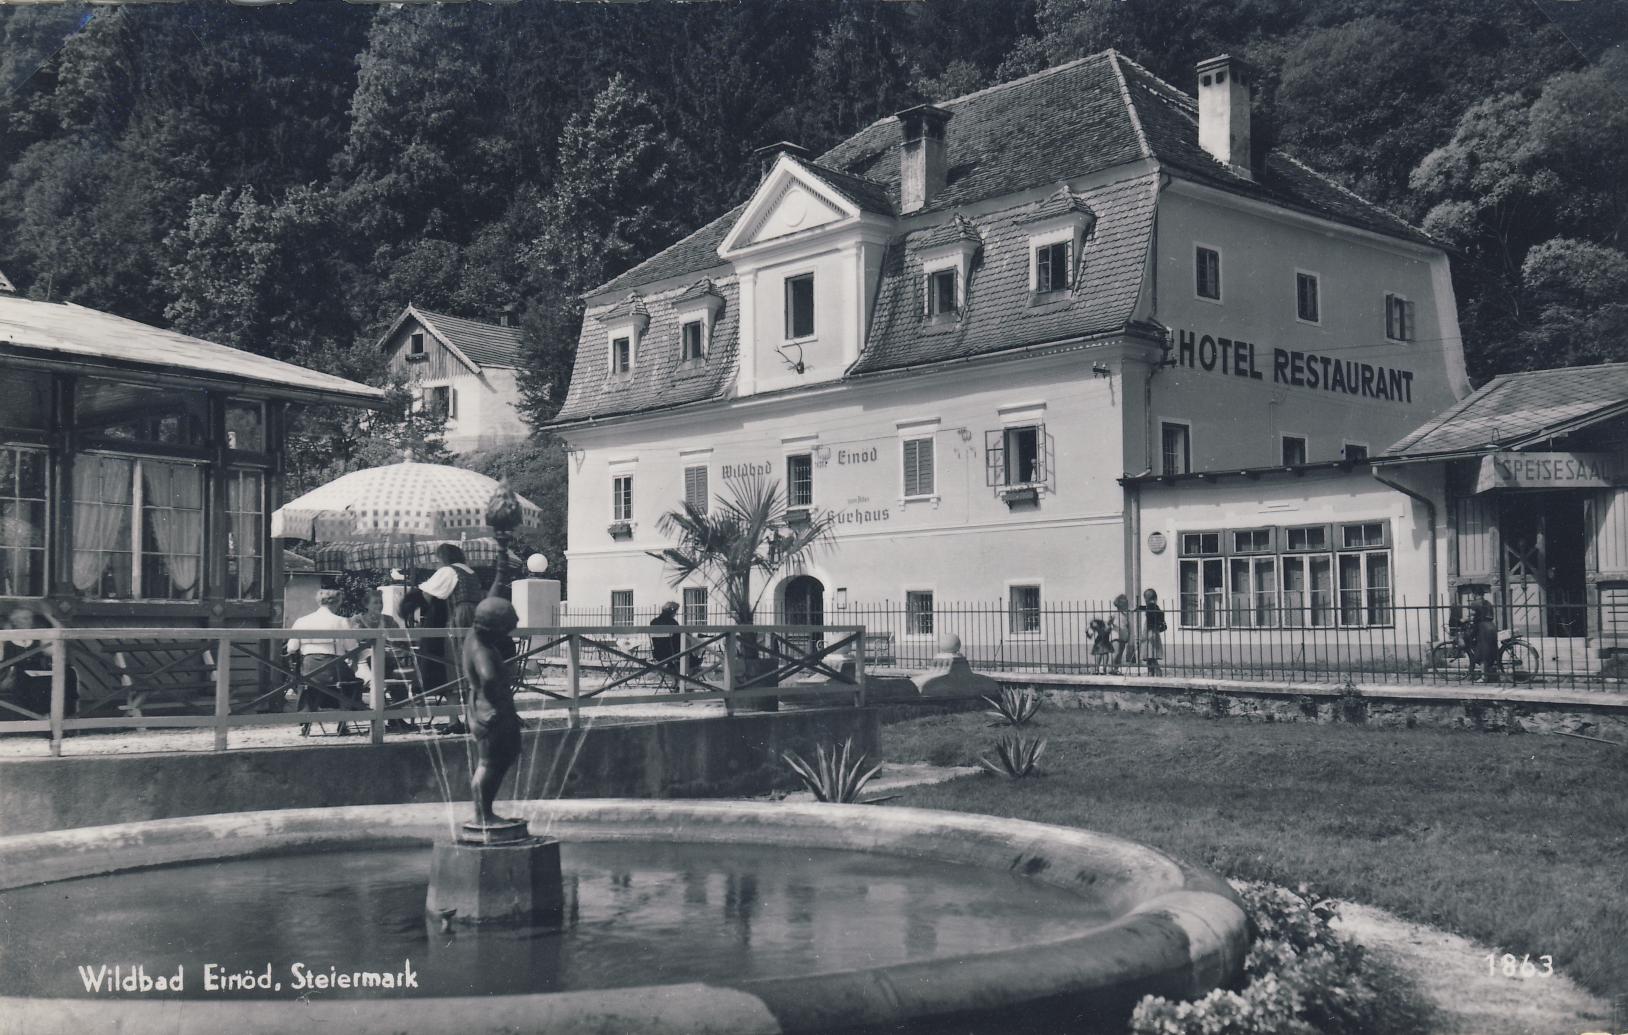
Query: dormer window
x=692 y=345
x=941 y=293
x=1058 y=228
x=625 y=323
x=697 y=310
x=800 y=307
x=1051 y=270
x=947 y=252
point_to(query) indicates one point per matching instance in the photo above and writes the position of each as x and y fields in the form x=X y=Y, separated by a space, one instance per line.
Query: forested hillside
x=285 y=178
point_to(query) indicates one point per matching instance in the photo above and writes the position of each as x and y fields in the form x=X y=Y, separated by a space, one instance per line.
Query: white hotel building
x=1053 y=341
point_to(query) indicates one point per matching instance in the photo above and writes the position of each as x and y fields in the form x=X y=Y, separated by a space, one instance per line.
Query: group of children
x=1114 y=640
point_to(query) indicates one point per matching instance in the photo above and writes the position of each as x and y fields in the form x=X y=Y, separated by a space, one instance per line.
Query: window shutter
x=994 y=458
x=1407 y=321
x=695 y=487
x=1392 y=331
x=452 y=402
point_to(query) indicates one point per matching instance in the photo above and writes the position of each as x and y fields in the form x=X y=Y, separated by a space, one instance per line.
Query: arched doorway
x=803 y=603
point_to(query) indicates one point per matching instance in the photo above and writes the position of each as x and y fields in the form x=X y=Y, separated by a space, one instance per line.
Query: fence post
x=59 y=691
x=223 y=691
x=573 y=675
x=381 y=659
x=859 y=668
x=729 y=673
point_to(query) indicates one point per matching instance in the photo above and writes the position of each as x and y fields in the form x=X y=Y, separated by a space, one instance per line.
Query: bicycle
x=1515 y=656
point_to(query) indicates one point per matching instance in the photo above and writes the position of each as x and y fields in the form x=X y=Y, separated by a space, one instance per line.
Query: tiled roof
x=74 y=333
x=999 y=314
x=869 y=195
x=658 y=379
x=1169 y=122
x=1062 y=203
x=958 y=229
x=693 y=254
x=703 y=288
x=486 y=344
x=1069 y=121
x=632 y=305
x=1515 y=410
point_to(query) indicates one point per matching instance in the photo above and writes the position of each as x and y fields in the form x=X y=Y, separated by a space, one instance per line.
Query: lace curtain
x=101 y=515
x=173 y=514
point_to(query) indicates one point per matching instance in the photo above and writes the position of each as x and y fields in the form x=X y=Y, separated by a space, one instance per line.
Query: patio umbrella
x=394 y=508
x=378 y=553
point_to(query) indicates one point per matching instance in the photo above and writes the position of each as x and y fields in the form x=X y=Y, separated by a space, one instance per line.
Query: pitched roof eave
x=429 y=325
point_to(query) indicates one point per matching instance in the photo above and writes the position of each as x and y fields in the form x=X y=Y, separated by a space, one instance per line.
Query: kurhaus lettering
x=1290 y=367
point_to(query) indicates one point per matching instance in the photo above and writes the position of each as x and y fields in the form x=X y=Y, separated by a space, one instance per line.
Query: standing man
x=664 y=645
x=488 y=670
x=1483 y=639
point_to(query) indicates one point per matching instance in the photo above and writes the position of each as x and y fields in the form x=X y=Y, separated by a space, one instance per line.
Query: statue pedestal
x=496 y=873
x=951 y=677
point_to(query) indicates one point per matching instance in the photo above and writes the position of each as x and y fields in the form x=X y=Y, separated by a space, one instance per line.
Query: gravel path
x=1451 y=973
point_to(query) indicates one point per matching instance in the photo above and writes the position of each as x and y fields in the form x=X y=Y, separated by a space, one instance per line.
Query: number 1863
x=1523 y=966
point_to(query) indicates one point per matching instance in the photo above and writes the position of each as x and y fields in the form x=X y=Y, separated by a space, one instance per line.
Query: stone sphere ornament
x=949 y=643
x=536 y=564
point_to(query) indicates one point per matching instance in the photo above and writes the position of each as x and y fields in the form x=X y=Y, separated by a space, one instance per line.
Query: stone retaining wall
x=1467 y=706
x=692 y=758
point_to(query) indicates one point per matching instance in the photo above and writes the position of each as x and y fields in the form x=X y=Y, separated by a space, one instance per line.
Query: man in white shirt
x=322 y=658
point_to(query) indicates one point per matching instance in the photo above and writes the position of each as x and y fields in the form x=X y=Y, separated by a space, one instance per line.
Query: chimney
x=766 y=155
x=921 y=156
x=506 y=318
x=1223 y=112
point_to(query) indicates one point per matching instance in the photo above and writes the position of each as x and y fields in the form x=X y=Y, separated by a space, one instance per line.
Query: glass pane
x=172 y=531
x=25 y=400
x=1379 y=588
x=1190 y=593
x=1213 y=593
x=1350 y=589
x=246 y=425
x=1322 y=591
x=141 y=413
x=102 y=525
x=1240 y=592
x=1266 y=603
x=1294 y=591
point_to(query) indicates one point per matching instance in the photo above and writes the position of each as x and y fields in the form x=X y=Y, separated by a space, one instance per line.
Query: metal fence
x=1371 y=640
x=63 y=680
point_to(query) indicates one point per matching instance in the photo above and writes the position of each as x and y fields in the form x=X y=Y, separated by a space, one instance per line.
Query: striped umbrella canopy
x=397 y=503
x=405 y=554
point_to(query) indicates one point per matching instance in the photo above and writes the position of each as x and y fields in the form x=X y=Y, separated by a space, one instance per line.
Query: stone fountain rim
x=1185 y=921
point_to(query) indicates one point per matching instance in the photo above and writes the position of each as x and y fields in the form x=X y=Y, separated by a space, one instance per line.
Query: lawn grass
x=1517 y=841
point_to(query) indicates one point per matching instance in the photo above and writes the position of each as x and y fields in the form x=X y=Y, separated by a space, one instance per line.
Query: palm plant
x=1016 y=756
x=740 y=545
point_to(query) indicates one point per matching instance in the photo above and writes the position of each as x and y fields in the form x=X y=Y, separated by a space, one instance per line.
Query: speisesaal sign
x=1551 y=471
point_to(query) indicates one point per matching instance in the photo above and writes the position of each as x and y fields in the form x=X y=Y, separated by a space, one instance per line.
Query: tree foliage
x=285 y=179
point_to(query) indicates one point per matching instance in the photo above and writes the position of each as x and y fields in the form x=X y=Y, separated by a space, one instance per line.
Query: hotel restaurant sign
x=1551 y=471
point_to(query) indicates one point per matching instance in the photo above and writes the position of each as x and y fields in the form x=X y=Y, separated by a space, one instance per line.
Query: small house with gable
x=465 y=369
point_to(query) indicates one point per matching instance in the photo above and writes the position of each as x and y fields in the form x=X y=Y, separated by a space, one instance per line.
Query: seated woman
x=324 y=669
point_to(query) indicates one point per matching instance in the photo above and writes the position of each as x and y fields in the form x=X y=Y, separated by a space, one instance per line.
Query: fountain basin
x=1147 y=923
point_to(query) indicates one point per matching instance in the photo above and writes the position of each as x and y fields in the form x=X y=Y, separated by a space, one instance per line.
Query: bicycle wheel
x=1520 y=660
x=1442 y=655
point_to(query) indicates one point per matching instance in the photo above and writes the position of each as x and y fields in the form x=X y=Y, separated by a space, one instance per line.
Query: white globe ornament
x=536 y=564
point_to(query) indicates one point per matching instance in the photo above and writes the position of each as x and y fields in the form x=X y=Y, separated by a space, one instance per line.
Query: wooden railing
x=125 y=677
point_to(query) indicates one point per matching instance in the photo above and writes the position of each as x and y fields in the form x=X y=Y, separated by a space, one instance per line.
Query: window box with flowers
x=621 y=530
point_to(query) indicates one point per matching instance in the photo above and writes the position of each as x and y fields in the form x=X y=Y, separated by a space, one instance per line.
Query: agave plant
x=1017 y=756
x=1013 y=707
x=833 y=777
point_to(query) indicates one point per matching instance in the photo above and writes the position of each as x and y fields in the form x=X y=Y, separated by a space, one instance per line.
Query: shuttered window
x=695 y=487
x=1398 y=318
x=918 y=467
